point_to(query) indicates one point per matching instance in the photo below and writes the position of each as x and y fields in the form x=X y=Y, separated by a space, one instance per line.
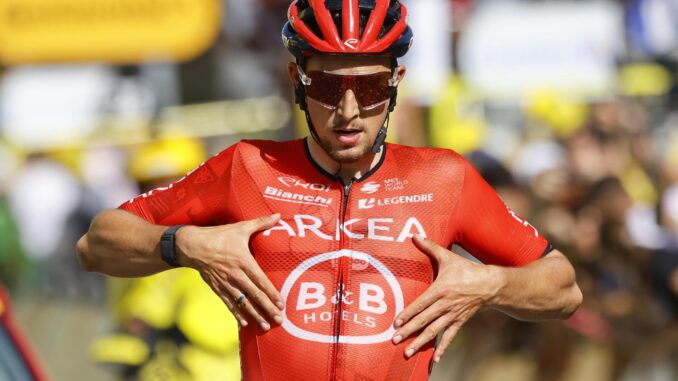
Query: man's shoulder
x=251 y=149
x=425 y=155
x=268 y=146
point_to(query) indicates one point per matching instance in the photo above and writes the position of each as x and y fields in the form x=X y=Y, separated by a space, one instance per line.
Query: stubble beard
x=345 y=155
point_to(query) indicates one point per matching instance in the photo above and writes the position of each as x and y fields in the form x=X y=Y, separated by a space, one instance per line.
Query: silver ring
x=241 y=300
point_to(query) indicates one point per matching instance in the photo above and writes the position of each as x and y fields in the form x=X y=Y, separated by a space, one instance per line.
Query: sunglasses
x=371 y=90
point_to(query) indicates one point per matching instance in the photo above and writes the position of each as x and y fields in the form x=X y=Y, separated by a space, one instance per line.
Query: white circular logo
x=307 y=300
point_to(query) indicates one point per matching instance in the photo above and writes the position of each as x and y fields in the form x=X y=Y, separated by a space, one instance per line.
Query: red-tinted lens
x=370 y=89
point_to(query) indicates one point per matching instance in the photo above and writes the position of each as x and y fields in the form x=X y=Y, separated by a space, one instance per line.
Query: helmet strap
x=381 y=135
x=300 y=99
x=311 y=128
x=394 y=94
x=299 y=91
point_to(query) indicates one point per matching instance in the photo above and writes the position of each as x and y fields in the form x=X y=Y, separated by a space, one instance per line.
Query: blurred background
x=568 y=108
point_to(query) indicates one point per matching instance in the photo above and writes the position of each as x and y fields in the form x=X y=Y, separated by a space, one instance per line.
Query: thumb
x=261 y=223
x=429 y=247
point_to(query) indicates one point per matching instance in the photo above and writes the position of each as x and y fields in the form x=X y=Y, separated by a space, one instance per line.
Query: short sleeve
x=489 y=230
x=199 y=198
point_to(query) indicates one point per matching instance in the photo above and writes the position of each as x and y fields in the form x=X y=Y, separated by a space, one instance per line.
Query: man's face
x=347 y=130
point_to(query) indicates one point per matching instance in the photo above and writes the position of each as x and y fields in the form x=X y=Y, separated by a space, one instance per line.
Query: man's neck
x=346 y=171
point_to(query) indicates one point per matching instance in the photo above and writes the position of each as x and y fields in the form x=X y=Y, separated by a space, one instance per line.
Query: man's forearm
x=544 y=289
x=121 y=244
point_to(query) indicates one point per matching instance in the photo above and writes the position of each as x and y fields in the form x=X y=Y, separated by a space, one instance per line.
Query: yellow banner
x=112 y=31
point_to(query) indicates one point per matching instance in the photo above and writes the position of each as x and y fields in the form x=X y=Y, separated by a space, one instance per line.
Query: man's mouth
x=347 y=135
x=347 y=132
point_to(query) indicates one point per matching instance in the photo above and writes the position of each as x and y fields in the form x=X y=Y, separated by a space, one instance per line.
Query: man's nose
x=348 y=107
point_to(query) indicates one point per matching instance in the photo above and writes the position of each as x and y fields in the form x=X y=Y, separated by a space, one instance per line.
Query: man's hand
x=222 y=256
x=461 y=288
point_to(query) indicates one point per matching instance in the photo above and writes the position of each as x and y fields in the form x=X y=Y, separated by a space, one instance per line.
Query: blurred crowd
x=604 y=194
x=598 y=175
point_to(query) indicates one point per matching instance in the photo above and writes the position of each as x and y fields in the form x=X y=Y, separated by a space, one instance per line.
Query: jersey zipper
x=342 y=266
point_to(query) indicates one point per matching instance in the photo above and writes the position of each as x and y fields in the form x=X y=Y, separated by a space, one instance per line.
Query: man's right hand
x=222 y=256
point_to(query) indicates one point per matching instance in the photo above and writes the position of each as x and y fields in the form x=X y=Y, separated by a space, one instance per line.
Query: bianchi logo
x=368 y=306
x=369 y=203
x=281 y=195
x=370 y=187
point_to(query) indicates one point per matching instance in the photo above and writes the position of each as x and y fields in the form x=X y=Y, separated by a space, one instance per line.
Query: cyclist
x=336 y=246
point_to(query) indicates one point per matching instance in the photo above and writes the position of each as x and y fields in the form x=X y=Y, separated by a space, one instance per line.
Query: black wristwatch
x=167 y=246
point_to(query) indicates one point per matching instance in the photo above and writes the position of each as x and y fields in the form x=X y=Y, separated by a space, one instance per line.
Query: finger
x=246 y=306
x=262 y=282
x=430 y=247
x=428 y=334
x=421 y=303
x=259 y=298
x=261 y=223
x=421 y=320
x=445 y=340
x=234 y=310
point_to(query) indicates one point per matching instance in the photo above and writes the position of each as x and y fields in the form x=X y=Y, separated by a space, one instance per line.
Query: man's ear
x=401 y=70
x=293 y=73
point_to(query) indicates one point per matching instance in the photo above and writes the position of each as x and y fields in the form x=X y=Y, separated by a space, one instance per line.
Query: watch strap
x=168 y=247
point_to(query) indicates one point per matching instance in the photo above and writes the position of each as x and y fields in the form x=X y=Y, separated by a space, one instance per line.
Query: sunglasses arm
x=393 y=81
x=305 y=80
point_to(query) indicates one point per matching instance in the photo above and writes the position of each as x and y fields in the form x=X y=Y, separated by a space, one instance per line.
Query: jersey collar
x=334 y=177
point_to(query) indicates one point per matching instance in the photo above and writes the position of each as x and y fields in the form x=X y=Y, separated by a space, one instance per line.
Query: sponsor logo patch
x=369 y=203
x=370 y=188
x=377 y=229
x=395 y=184
x=366 y=307
x=282 y=195
x=291 y=182
x=351 y=43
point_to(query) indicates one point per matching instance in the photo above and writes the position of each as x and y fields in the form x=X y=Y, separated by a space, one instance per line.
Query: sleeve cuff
x=549 y=248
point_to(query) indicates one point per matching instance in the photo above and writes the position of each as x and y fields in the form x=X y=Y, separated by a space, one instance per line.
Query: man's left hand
x=460 y=289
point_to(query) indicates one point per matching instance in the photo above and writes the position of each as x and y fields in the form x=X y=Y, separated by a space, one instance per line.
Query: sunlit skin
x=346 y=133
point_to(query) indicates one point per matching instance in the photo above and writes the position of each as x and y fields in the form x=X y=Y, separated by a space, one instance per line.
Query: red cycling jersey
x=342 y=254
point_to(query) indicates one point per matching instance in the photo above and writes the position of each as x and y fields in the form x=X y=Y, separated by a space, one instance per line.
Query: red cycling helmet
x=347 y=27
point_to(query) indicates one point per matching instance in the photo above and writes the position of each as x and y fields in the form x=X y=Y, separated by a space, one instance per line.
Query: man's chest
x=342 y=255
x=379 y=214
x=361 y=230
x=345 y=251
